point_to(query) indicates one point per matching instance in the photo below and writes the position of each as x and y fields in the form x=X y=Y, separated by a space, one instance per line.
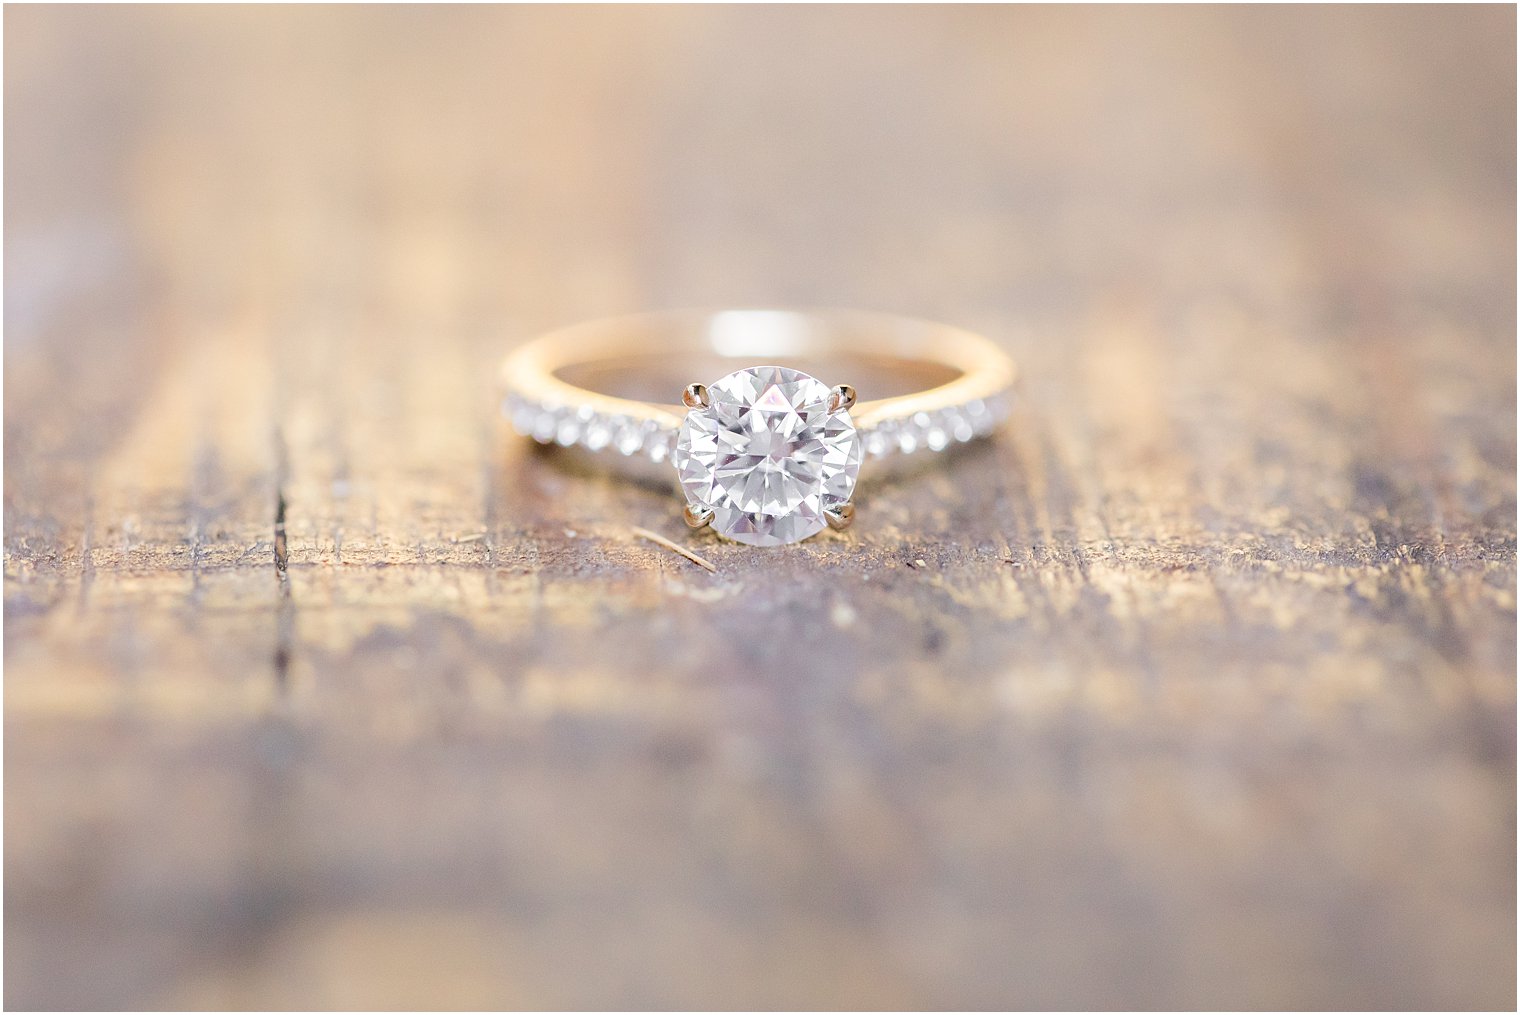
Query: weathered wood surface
x=1196 y=690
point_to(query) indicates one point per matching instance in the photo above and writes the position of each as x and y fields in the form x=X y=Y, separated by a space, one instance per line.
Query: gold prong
x=842 y=397
x=696 y=517
x=695 y=396
x=840 y=517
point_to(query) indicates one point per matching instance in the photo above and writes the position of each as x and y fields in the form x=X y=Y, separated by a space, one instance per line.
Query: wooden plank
x=1195 y=689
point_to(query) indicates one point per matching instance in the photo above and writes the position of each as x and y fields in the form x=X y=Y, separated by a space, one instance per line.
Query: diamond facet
x=767 y=456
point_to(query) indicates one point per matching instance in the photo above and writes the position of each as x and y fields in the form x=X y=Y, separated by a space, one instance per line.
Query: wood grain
x=1194 y=690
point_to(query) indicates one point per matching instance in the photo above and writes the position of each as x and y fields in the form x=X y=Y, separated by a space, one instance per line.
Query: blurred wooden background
x=1196 y=690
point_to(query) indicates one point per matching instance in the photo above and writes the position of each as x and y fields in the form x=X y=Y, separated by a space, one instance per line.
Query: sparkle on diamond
x=767 y=456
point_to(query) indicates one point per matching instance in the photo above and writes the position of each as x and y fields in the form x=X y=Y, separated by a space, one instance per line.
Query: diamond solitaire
x=768 y=455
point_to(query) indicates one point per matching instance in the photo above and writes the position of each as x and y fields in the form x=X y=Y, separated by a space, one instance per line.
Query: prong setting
x=697 y=517
x=841 y=397
x=840 y=516
x=767 y=456
x=696 y=397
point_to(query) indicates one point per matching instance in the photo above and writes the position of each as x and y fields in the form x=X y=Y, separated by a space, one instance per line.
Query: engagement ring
x=765 y=452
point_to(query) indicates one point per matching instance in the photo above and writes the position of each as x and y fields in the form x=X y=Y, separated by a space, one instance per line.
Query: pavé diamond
x=767 y=456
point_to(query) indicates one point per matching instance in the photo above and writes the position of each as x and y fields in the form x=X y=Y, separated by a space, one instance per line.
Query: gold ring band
x=544 y=405
x=766 y=454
